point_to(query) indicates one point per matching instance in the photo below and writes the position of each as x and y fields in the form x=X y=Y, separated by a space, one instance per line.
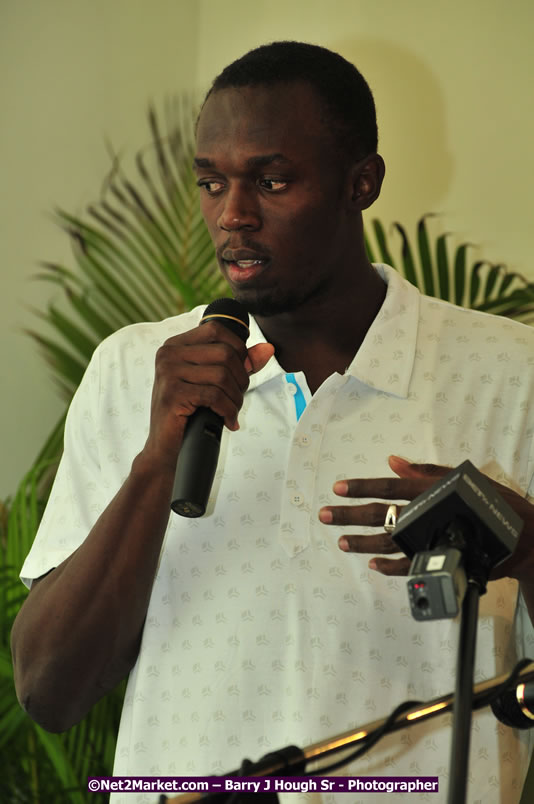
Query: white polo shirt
x=260 y=632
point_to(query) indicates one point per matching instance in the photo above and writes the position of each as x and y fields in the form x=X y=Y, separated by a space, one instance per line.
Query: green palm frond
x=142 y=252
x=449 y=272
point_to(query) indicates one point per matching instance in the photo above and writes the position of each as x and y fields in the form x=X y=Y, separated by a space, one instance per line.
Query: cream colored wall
x=72 y=74
x=452 y=83
x=453 y=87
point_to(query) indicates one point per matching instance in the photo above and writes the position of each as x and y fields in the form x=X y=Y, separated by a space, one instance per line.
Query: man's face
x=272 y=188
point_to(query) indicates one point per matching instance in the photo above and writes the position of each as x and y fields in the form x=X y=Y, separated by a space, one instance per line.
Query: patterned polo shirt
x=260 y=632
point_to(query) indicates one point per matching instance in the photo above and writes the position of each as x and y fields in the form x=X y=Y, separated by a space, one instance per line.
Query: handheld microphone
x=199 y=453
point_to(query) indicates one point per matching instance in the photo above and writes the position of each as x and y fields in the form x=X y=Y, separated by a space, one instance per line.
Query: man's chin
x=264 y=304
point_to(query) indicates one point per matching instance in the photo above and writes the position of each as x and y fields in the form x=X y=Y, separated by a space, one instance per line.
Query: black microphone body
x=199 y=453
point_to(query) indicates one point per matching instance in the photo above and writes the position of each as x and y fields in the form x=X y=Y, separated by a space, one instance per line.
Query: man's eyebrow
x=267 y=159
x=200 y=162
x=253 y=161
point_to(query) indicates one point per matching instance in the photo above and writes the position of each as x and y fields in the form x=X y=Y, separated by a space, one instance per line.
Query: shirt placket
x=299 y=508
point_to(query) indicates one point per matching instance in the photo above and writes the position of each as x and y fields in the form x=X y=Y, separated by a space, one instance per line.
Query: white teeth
x=247 y=263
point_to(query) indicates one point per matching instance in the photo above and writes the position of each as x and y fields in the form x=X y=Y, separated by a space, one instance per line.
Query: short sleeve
x=76 y=498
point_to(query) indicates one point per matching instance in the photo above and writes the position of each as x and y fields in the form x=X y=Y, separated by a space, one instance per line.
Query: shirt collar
x=385 y=359
x=272 y=368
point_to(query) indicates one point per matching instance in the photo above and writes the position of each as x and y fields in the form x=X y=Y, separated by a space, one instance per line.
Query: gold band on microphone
x=229 y=317
x=520 y=695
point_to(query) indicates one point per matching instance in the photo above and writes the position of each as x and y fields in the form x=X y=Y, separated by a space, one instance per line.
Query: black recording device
x=458 y=529
x=199 y=453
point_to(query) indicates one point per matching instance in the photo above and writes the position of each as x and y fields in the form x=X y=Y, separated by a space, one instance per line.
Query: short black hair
x=340 y=86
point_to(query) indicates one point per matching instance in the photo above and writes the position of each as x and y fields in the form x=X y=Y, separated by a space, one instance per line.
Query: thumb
x=404 y=468
x=258 y=356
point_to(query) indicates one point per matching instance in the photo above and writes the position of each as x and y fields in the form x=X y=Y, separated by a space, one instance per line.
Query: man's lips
x=243 y=270
x=242 y=255
x=243 y=264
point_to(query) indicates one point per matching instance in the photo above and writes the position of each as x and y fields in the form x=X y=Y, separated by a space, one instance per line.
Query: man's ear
x=366 y=180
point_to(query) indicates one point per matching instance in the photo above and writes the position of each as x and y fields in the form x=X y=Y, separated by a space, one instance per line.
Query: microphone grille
x=230 y=313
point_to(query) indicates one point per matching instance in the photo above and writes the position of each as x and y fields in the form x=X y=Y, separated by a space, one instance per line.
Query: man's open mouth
x=244 y=270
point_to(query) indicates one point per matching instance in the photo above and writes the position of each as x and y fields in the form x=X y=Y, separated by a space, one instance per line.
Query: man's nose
x=240 y=210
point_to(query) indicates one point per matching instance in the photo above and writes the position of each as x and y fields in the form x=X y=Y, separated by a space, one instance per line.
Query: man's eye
x=210 y=186
x=273 y=185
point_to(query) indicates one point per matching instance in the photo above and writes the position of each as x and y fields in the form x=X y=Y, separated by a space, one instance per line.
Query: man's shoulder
x=480 y=325
x=492 y=345
x=440 y=319
x=149 y=335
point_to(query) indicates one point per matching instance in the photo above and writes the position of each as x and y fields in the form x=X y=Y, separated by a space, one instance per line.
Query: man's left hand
x=411 y=481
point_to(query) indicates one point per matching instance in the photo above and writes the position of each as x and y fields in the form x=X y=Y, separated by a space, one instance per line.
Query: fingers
x=258 y=356
x=405 y=468
x=377 y=543
x=412 y=479
x=374 y=543
x=190 y=376
x=385 y=488
x=367 y=515
x=208 y=366
x=381 y=543
x=371 y=514
x=389 y=566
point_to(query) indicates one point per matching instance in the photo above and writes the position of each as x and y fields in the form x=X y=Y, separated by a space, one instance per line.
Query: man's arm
x=78 y=633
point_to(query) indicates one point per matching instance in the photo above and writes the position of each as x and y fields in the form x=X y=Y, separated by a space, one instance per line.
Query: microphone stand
x=291 y=759
x=456 y=532
x=463 y=695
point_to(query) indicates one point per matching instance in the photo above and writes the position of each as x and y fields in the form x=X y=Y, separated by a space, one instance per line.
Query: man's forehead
x=249 y=110
x=237 y=99
x=264 y=116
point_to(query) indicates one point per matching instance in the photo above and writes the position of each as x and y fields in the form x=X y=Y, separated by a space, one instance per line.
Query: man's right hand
x=206 y=367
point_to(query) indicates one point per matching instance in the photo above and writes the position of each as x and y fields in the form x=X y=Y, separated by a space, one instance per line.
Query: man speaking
x=278 y=616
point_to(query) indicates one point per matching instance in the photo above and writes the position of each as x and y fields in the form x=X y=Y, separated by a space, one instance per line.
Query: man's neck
x=323 y=339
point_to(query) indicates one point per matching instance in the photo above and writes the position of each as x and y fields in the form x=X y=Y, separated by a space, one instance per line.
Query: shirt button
x=292 y=388
x=305 y=440
x=297 y=499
